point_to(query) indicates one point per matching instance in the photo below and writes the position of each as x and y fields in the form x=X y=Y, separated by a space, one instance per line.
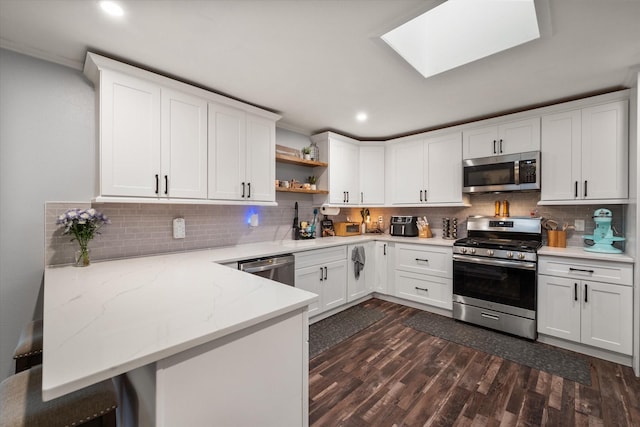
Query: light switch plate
x=179 y=229
x=579 y=224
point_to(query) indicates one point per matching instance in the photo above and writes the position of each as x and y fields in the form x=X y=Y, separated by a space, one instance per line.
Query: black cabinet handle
x=425 y=195
x=321 y=275
x=585 y=293
x=422 y=259
x=384 y=250
x=344 y=197
x=166 y=184
x=585 y=188
x=580 y=269
x=249 y=195
x=494 y=147
x=500 y=146
x=157 y=183
x=325 y=273
x=347 y=197
x=420 y=195
x=361 y=197
x=575 y=191
x=422 y=289
x=575 y=292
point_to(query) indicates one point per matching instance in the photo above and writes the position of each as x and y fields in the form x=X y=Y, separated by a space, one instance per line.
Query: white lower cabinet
x=382 y=254
x=323 y=272
x=575 y=307
x=358 y=287
x=424 y=274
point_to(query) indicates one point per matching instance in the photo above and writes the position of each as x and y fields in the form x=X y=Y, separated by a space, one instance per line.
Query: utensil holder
x=557 y=238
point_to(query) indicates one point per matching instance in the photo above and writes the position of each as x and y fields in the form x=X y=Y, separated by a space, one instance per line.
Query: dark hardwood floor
x=393 y=375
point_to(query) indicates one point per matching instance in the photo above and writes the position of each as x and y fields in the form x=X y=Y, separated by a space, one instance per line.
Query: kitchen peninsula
x=201 y=339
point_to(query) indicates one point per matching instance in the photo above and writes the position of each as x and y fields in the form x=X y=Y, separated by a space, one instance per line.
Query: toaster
x=347 y=228
x=404 y=226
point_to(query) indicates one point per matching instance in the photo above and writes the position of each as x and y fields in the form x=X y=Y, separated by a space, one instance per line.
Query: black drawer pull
x=422 y=289
x=580 y=269
x=422 y=259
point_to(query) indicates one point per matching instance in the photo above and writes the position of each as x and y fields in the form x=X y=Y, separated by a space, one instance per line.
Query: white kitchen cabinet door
x=561 y=156
x=372 y=178
x=406 y=160
x=260 y=153
x=334 y=285
x=519 y=136
x=559 y=307
x=310 y=279
x=431 y=290
x=607 y=316
x=358 y=287
x=184 y=146
x=343 y=172
x=605 y=151
x=226 y=152
x=443 y=174
x=381 y=270
x=129 y=136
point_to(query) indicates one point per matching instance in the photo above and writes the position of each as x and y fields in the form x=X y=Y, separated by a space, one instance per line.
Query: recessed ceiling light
x=361 y=117
x=461 y=31
x=112 y=8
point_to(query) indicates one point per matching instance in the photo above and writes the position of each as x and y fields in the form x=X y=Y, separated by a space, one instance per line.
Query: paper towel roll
x=329 y=210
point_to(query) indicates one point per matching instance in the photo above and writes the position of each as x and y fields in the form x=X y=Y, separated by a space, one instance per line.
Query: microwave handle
x=516 y=171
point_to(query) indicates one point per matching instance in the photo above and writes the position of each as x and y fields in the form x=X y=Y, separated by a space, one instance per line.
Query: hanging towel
x=358 y=258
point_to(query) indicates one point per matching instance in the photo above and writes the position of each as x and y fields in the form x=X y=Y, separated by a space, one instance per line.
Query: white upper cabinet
x=184 y=145
x=344 y=163
x=426 y=170
x=508 y=138
x=584 y=154
x=156 y=135
x=152 y=140
x=372 y=178
x=242 y=153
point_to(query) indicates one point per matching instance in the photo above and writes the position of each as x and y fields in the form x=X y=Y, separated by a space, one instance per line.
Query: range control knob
x=520 y=256
x=509 y=254
x=463 y=250
x=472 y=250
x=490 y=252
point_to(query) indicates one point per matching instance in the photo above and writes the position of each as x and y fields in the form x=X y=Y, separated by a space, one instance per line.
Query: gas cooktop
x=505 y=244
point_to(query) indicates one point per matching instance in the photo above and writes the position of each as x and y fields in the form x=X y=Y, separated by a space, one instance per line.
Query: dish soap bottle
x=315 y=151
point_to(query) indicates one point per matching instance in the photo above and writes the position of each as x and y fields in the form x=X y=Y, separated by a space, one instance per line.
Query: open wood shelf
x=301 y=190
x=293 y=160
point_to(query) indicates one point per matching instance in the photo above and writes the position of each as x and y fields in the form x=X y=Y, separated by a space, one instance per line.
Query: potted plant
x=312 y=180
x=306 y=153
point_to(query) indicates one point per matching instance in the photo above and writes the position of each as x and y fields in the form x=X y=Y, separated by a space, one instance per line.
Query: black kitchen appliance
x=406 y=226
x=495 y=274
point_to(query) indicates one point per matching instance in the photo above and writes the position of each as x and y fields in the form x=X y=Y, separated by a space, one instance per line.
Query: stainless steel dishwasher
x=279 y=268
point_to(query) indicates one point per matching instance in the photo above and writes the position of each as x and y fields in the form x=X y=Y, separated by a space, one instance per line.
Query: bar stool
x=21 y=403
x=28 y=351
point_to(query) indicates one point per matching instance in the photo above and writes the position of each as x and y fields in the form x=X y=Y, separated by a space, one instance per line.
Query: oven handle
x=498 y=262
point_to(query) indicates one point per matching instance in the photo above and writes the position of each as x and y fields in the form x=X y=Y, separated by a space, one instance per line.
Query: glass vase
x=83 y=257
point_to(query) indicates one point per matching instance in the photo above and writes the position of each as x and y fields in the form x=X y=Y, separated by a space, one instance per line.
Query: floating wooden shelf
x=293 y=160
x=301 y=190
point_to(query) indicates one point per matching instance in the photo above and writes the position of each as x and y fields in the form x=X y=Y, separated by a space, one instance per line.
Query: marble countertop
x=579 y=252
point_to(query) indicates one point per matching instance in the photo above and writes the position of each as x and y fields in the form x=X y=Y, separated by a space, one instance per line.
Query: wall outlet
x=579 y=224
x=179 y=228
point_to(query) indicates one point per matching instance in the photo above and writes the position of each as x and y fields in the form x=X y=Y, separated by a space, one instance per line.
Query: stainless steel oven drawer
x=516 y=325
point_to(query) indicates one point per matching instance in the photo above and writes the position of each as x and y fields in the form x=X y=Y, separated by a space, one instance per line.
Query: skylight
x=461 y=31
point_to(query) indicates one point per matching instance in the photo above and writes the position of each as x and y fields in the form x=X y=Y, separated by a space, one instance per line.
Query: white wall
x=47 y=152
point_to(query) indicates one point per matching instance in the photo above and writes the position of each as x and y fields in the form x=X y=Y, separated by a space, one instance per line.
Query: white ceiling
x=318 y=62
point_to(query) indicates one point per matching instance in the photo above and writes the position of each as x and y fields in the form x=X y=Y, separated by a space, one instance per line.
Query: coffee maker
x=602 y=237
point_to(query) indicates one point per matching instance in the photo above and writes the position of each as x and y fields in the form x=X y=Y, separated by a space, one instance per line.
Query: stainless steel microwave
x=512 y=172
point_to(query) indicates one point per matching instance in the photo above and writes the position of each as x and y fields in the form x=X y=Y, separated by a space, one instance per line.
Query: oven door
x=502 y=285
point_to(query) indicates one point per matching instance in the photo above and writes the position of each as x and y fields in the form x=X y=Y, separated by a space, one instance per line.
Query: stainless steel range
x=494 y=274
